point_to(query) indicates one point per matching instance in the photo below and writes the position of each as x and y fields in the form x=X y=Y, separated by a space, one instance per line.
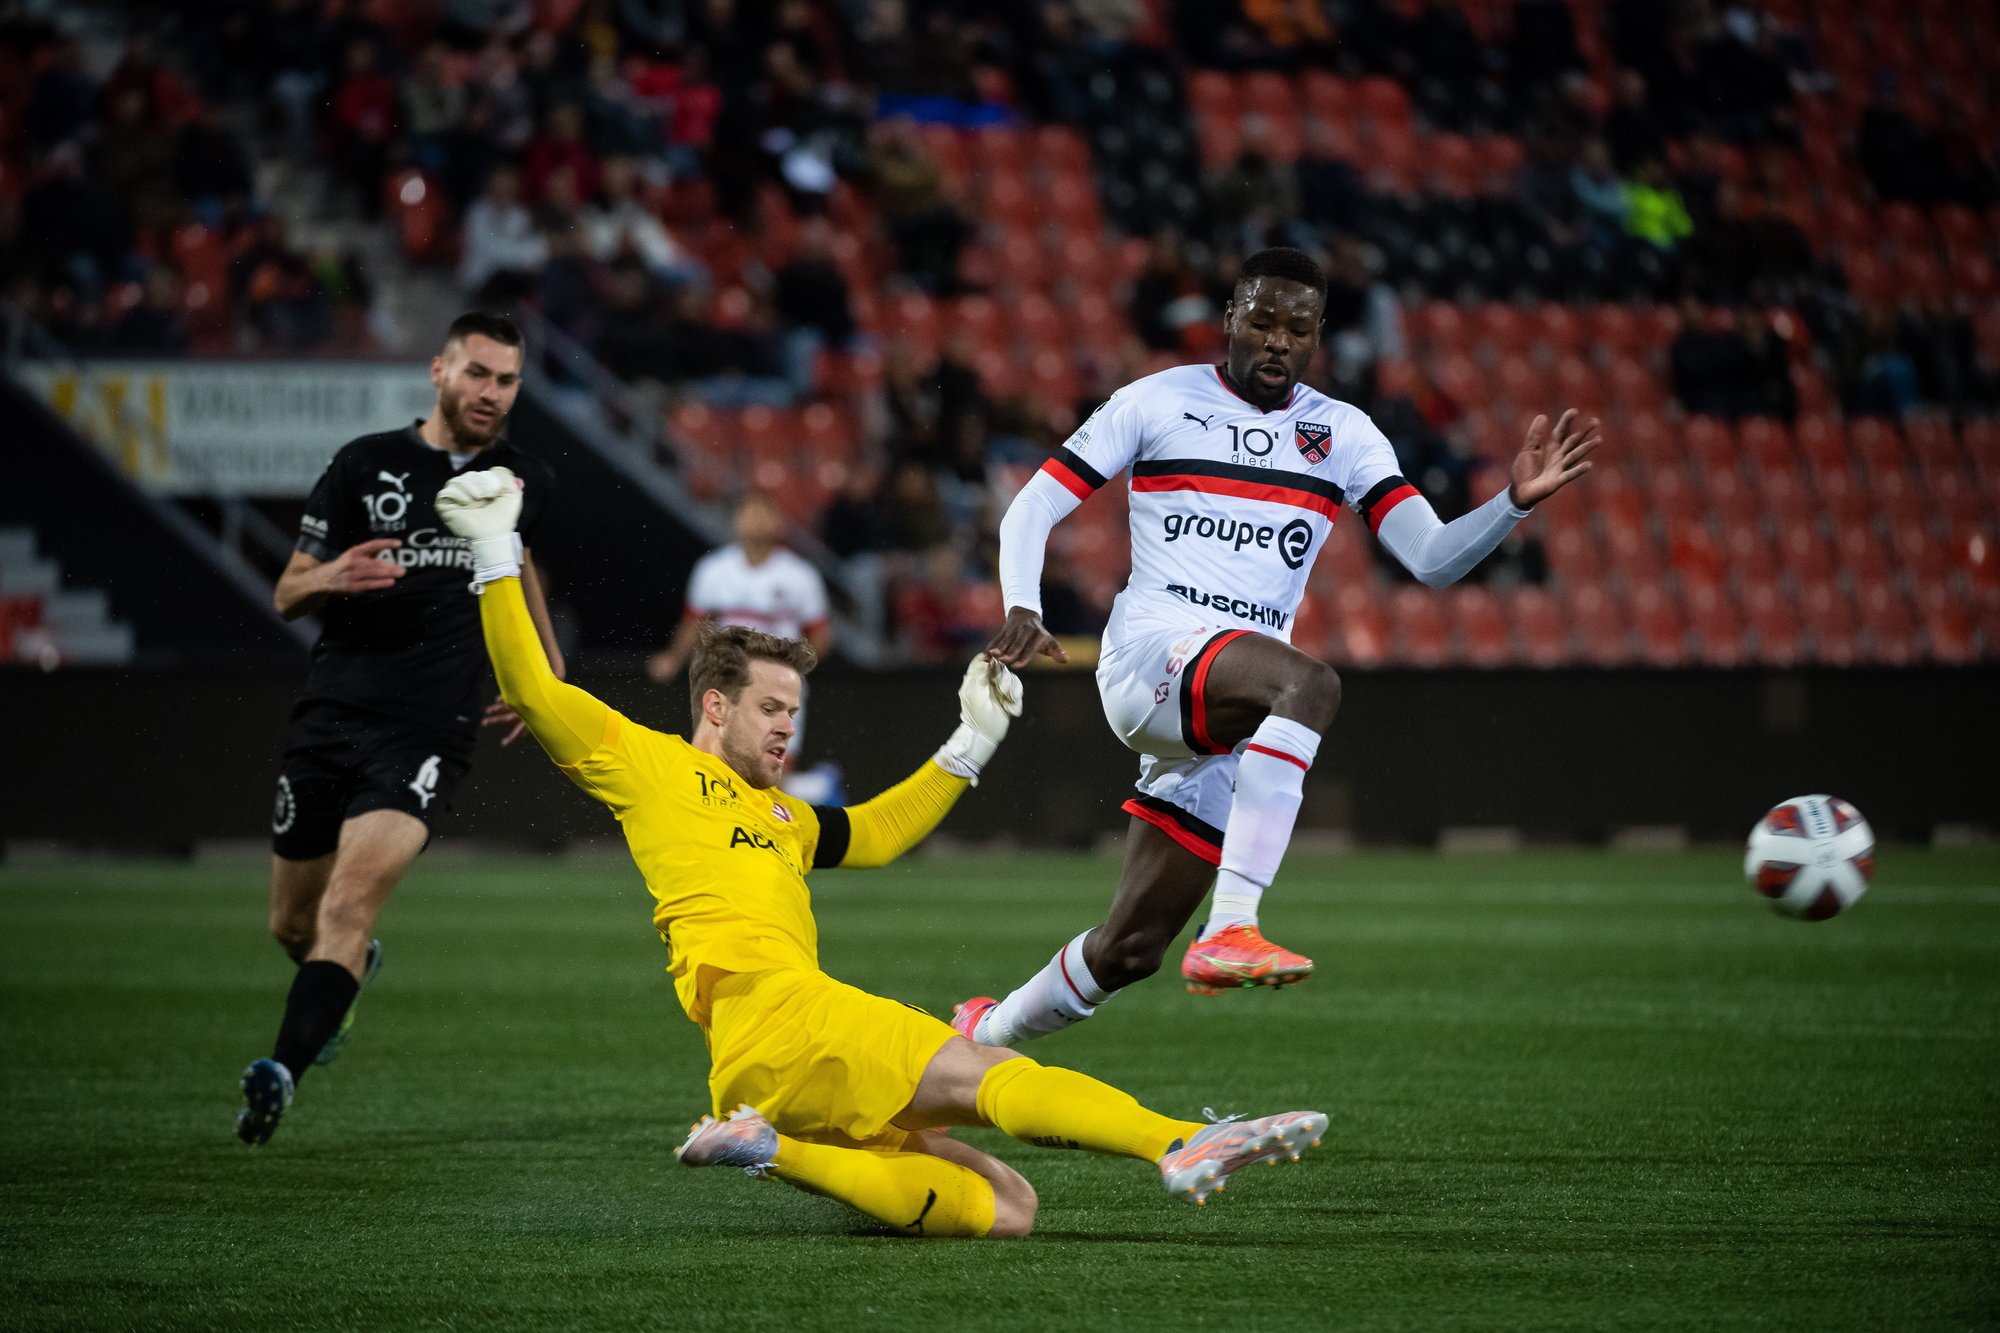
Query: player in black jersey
x=383 y=732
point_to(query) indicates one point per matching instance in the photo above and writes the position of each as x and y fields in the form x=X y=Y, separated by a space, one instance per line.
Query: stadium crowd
x=914 y=244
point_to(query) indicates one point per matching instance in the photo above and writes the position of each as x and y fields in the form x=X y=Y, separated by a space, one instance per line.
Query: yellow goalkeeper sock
x=1060 y=1108
x=917 y=1194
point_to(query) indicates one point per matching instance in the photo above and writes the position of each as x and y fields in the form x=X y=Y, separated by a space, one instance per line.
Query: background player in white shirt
x=1237 y=474
x=754 y=582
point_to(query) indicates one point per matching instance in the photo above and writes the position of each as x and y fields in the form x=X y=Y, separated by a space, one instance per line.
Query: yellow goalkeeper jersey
x=726 y=862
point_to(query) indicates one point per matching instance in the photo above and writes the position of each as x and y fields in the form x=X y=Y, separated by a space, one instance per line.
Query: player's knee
x=293 y=933
x=1312 y=696
x=344 y=914
x=1014 y=1207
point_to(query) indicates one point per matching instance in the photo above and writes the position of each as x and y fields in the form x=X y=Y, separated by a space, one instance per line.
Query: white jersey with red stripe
x=1230 y=503
x=782 y=594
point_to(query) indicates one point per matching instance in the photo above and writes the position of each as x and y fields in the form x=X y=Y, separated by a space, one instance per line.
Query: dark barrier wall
x=159 y=760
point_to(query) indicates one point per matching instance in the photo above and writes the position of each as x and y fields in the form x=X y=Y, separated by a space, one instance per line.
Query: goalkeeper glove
x=483 y=507
x=988 y=699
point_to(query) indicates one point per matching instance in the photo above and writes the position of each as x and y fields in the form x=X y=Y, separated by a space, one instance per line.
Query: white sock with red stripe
x=1270 y=779
x=1060 y=994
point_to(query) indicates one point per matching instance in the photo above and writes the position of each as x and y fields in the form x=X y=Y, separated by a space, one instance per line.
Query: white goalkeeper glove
x=483 y=508
x=988 y=699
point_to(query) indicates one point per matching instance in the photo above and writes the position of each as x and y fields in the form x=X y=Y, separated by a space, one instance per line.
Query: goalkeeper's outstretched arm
x=483 y=507
x=878 y=831
x=568 y=722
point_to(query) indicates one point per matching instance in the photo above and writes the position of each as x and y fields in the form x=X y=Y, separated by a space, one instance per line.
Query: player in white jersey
x=1237 y=474
x=754 y=582
x=757 y=583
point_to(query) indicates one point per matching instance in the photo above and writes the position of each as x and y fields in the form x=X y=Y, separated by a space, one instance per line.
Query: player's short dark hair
x=485 y=324
x=1283 y=261
x=723 y=654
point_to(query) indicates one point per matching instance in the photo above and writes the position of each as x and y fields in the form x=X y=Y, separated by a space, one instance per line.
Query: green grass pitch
x=1572 y=1090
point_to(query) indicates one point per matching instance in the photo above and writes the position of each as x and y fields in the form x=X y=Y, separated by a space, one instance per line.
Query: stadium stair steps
x=43 y=623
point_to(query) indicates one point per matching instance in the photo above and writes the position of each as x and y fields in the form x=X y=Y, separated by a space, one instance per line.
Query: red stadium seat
x=1268 y=94
x=1327 y=97
x=1072 y=202
x=1767 y=444
x=1787 y=499
x=1502 y=325
x=1539 y=637
x=1936 y=447
x=1617 y=331
x=1648 y=437
x=1960 y=229
x=1452 y=167
x=1221 y=137
x=1442 y=328
x=1421 y=633
x=1832 y=624
x=1210 y=92
x=1381 y=99
x=1948 y=625
x=1696 y=554
x=1823 y=446
x=1776 y=631
x=1574 y=555
x=1361 y=628
x=1717 y=626
x=1660 y=625
x=1518 y=381
x=1051 y=376
x=1602 y=636
x=1001 y=148
x=998 y=374
x=1501 y=157
x=1670 y=495
x=1061 y=151
x=1889 y=628
x=1711 y=443
x=1632 y=387
x=1557 y=328
x=1034 y=321
x=827 y=432
x=1874 y=442
x=916 y=317
x=1927 y=559
x=1482 y=629
x=1575 y=385
x=1906 y=228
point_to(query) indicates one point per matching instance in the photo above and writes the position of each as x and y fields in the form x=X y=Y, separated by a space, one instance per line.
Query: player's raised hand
x=483 y=507
x=357 y=569
x=1022 y=638
x=1552 y=458
x=989 y=698
x=486 y=503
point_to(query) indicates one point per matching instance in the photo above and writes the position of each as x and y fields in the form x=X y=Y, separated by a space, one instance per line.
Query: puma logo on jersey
x=396 y=479
x=1201 y=421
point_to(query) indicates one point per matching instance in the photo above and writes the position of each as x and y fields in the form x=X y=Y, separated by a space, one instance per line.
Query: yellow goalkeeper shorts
x=823 y=1061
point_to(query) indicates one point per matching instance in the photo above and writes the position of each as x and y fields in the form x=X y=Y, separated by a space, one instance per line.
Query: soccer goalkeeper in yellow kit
x=835 y=1090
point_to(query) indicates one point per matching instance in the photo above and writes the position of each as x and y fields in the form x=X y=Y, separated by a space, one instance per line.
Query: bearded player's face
x=477 y=381
x=757 y=728
x=1273 y=330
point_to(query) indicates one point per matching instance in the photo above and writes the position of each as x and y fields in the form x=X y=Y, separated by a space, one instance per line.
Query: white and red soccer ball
x=1812 y=856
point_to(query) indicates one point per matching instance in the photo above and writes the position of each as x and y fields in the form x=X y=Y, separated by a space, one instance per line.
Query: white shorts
x=1154 y=693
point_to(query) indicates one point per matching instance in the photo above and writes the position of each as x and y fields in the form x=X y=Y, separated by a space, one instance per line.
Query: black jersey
x=412 y=650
